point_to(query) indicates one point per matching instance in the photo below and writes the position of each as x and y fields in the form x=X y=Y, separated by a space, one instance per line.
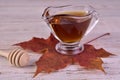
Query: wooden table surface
x=20 y=21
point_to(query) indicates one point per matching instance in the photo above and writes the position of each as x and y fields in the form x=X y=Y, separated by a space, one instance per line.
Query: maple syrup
x=70 y=27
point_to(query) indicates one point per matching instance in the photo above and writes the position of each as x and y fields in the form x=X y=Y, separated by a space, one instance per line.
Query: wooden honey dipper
x=17 y=57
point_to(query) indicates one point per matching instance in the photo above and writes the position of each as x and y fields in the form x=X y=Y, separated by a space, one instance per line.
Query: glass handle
x=93 y=23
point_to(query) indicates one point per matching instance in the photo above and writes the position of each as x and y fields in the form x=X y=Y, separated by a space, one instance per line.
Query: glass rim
x=90 y=12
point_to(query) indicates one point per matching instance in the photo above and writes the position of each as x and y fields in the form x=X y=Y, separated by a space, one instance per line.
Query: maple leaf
x=51 y=60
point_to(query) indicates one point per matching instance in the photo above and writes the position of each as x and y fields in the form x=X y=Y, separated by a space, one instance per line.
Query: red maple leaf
x=51 y=60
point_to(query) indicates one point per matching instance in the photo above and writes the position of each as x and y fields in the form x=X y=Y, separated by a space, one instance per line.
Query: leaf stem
x=98 y=37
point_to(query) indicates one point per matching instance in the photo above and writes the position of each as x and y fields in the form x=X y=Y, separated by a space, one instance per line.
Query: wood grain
x=20 y=20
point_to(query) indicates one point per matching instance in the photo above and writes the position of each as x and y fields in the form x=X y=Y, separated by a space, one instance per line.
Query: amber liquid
x=70 y=27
